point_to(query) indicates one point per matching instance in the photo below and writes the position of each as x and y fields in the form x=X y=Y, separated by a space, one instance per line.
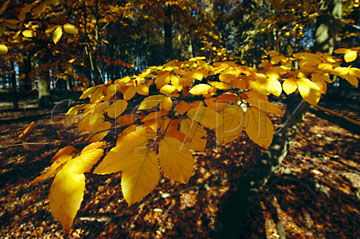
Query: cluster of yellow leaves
x=157 y=130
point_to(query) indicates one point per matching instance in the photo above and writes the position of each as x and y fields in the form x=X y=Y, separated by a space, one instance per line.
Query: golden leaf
x=175 y=160
x=289 y=85
x=200 y=89
x=182 y=107
x=129 y=93
x=195 y=133
x=66 y=195
x=350 y=55
x=140 y=176
x=259 y=127
x=116 y=108
x=309 y=91
x=71 y=29
x=142 y=89
x=126 y=149
x=167 y=89
x=57 y=34
x=204 y=115
x=3 y=49
x=231 y=124
x=151 y=101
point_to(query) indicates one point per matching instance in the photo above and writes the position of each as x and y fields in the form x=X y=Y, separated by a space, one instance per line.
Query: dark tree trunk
x=240 y=201
x=168 y=46
x=14 y=88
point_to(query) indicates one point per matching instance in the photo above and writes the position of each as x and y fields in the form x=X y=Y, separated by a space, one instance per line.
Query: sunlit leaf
x=71 y=29
x=66 y=195
x=142 y=90
x=204 y=115
x=309 y=91
x=28 y=33
x=3 y=49
x=289 y=85
x=220 y=85
x=129 y=93
x=151 y=101
x=140 y=177
x=166 y=103
x=57 y=34
x=259 y=127
x=176 y=161
x=195 y=133
x=126 y=149
x=53 y=169
x=350 y=55
x=231 y=123
x=167 y=89
x=200 y=89
x=117 y=108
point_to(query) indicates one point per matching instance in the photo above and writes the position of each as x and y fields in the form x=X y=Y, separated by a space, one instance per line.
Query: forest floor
x=315 y=195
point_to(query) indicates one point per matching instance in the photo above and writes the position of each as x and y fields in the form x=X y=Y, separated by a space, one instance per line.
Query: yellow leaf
x=140 y=177
x=289 y=85
x=53 y=169
x=71 y=29
x=97 y=137
x=125 y=132
x=182 y=107
x=66 y=195
x=167 y=89
x=230 y=125
x=163 y=79
x=204 y=115
x=352 y=80
x=67 y=150
x=142 y=90
x=129 y=93
x=341 y=51
x=309 y=91
x=3 y=49
x=175 y=160
x=98 y=92
x=87 y=92
x=166 y=103
x=195 y=133
x=259 y=127
x=176 y=82
x=28 y=33
x=151 y=101
x=57 y=34
x=127 y=148
x=350 y=55
x=272 y=84
x=319 y=81
x=200 y=89
x=116 y=108
x=220 y=85
x=227 y=78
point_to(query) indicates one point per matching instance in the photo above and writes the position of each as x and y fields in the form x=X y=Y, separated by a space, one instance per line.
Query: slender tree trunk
x=13 y=87
x=237 y=207
x=168 y=46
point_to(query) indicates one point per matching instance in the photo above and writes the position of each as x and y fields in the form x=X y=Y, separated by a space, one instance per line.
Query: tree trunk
x=239 y=202
x=168 y=46
x=13 y=87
